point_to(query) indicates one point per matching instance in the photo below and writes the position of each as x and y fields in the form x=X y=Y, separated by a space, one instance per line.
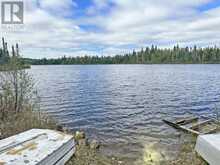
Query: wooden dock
x=194 y=125
x=37 y=147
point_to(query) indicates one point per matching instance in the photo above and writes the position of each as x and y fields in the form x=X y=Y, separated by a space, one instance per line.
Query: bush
x=16 y=89
x=18 y=102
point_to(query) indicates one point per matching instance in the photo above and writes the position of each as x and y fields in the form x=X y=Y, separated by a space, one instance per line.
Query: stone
x=80 y=135
x=66 y=130
x=120 y=162
x=94 y=144
x=83 y=142
x=59 y=128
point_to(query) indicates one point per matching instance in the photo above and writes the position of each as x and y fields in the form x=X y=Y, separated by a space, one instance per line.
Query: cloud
x=98 y=6
x=53 y=28
x=57 y=7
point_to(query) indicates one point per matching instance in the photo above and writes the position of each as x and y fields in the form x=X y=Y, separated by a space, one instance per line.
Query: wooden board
x=183 y=128
x=37 y=147
x=200 y=124
x=194 y=126
x=187 y=121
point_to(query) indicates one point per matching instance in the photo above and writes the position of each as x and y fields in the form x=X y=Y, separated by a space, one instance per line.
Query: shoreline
x=88 y=149
x=4 y=68
x=127 y=64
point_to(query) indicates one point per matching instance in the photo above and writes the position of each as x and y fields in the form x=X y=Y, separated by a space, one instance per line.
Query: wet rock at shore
x=94 y=144
x=62 y=129
x=83 y=142
x=80 y=135
x=87 y=152
x=59 y=128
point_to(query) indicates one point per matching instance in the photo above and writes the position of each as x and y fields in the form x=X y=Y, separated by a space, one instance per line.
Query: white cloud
x=59 y=7
x=97 y=6
x=47 y=31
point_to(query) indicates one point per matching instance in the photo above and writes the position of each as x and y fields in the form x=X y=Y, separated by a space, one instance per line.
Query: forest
x=149 y=55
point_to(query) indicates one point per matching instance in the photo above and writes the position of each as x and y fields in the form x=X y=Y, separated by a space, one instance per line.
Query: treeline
x=149 y=55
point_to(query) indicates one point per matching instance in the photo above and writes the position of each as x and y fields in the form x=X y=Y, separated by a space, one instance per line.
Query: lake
x=123 y=105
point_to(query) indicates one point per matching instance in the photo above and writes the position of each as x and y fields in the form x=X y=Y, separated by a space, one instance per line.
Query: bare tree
x=16 y=88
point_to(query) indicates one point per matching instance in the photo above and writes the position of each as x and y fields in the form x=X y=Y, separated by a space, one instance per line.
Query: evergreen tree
x=153 y=55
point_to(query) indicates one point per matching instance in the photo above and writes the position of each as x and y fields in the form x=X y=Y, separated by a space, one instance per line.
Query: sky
x=53 y=28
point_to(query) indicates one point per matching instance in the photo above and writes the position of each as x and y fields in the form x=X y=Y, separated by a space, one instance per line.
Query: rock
x=83 y=142
x=62 y=128
x=80 y=135
x=59 y=128
x=66 y=130
x=120 y=162
x=94 y=144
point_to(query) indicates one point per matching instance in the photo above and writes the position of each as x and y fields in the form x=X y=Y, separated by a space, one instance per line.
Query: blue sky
x=210 y=5
x=54 y=28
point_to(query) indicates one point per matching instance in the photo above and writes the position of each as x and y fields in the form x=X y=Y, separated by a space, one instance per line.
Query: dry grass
x=23 y=121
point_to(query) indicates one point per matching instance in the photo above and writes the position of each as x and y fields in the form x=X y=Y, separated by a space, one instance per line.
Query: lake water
x=123 y=105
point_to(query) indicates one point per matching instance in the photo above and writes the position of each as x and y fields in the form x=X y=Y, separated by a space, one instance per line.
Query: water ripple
x=123 y=105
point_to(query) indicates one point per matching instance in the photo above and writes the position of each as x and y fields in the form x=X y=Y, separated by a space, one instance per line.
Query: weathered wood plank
x=190 y=130
x=211 y=131
x=200 y=124
x=172 y=124
x=187 y=121
x=177 y=126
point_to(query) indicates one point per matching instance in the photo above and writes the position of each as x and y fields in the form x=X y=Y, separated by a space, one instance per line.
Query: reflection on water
x=123 y=105
x=152 y=155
